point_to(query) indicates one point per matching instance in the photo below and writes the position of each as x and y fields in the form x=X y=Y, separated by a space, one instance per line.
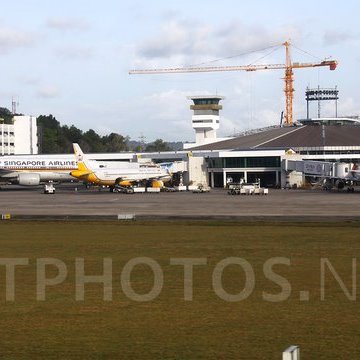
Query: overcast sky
x=71 y=59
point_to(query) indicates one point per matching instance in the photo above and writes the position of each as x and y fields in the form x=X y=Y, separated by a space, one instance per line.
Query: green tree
x=93 y=140
x=72 y=133
x=49 y=131
x=6 y=115
x=48 y=122
x=157 y=145
x=56 y=139
x=115 y=143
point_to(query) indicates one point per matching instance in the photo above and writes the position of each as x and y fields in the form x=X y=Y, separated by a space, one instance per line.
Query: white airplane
x=345 y=175
x=338 y=175
x=30 y=170
x=123 y=174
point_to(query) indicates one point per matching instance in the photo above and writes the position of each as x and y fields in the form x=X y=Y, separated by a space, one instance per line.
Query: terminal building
x=20 y=137
x=263 y=153
x=258 y=154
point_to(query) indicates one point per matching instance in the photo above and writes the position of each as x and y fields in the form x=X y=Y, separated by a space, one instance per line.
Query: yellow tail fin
x=80 y=159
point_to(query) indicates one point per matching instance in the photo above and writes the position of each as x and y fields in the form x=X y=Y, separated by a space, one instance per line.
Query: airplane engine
x=121 y=182
x=157 y=184
x=28 y=179
x=340 y=184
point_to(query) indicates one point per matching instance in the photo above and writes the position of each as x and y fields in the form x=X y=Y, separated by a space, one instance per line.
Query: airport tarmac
x=279 y=204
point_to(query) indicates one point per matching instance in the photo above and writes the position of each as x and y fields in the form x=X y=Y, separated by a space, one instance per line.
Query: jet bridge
x=332 y=174
x=319 y=168
x=296 y=170
x=309 y=167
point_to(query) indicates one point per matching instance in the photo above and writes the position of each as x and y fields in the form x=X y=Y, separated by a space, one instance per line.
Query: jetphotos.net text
x=51 y=272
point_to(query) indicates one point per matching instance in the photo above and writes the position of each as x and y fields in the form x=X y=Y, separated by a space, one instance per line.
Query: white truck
x=49 y=188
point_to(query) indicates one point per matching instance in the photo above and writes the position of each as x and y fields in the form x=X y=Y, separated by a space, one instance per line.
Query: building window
x=202 y=121
x=206 y=101
x=235 y=162
x=215 y=163
x=244 y=162
x=266 y=161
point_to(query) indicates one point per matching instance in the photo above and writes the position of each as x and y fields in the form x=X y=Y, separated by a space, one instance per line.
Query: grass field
x=168 y=327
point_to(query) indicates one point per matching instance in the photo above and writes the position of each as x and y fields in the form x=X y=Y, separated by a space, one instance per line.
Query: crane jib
x=288 y=67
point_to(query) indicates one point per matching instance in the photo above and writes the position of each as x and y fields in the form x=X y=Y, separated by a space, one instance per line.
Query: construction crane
x=289 y=74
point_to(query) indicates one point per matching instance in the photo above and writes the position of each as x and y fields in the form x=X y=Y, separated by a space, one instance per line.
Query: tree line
x=55 y=138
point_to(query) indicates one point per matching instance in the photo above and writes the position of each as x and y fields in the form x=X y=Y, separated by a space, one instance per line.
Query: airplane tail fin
x=78 y=152
x=80 y=159
x=168 y=167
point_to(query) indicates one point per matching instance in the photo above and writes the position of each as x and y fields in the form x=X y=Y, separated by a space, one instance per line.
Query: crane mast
x=288 y=78
x=289 y=86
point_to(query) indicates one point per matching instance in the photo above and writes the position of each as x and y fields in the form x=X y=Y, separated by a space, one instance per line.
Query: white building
x=20 y=137
x=205 y=119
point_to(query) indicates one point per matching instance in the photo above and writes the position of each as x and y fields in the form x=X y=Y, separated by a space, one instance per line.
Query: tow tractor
x=201 y=188
x=49 y=188
x=243 y=188
x=124 y=189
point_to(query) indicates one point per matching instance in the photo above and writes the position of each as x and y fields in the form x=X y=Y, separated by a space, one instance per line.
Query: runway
x=279 y=204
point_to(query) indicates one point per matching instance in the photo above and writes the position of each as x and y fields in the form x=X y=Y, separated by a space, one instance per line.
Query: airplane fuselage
x=31 y=170
x=123 y=175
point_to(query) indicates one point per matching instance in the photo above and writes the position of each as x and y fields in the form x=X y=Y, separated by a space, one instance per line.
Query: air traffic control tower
x=205 y=119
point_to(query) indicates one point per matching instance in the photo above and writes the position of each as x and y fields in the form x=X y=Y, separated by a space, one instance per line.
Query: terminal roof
x=291 y=137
